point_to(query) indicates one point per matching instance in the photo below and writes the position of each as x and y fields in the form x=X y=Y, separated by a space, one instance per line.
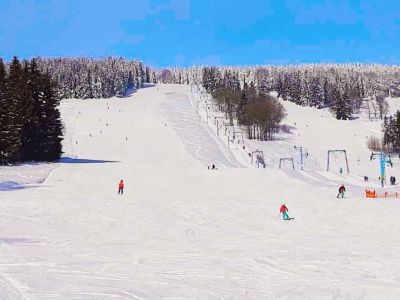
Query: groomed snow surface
x=181 y=231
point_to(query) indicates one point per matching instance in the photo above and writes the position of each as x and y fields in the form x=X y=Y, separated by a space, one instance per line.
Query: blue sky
x=186 y=32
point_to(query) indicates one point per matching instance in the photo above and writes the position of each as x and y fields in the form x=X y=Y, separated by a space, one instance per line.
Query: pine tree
x=147 y=77
x=12 y=122
x=295 y=91
x=280 y=88
x=264 y=84
x=33 y=132
x=387 y=137
x=4 y=147
x=316 y=93
x=211 y=79
x=89 y=89
x=242 y=106
x=391 y=132
x=50 y=121
x=396 y=131
x=30 y=126
x=130 y=84
x=327 y=93
x=343 y=105
x=25 y=111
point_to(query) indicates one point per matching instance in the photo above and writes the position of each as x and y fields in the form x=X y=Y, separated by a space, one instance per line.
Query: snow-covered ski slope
x=181 y=231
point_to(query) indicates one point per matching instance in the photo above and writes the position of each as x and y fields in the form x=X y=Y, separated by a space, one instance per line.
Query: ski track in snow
x=181 y=231
x=179 y=112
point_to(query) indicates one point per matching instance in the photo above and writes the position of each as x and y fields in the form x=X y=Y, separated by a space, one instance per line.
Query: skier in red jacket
x=342 y=189
x=121 y=187
x=284 y=211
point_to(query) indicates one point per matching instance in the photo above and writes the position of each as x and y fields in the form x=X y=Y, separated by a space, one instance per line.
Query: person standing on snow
x=284 y=211
x=121 y=187
x=342 y=189
x=213 y=167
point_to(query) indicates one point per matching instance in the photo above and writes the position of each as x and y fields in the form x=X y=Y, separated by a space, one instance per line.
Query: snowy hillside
x=181 y=231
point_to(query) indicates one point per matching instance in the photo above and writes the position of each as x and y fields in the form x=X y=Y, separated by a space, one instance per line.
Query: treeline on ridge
x=86 y=78
x=30 y=128
x=340 y=87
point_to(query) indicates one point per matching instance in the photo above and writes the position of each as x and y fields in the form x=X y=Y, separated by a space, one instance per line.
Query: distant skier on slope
x=213 y=167
x=283 y=210
x=121 y=187
x=342 y=189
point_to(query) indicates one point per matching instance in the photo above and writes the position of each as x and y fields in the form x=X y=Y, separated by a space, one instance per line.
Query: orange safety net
x=373 y=194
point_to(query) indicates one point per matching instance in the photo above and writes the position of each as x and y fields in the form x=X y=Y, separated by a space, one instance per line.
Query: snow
x=181 y=231
x=179 y=111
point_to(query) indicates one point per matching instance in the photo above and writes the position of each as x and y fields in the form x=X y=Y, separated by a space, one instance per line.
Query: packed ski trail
x=181 y=231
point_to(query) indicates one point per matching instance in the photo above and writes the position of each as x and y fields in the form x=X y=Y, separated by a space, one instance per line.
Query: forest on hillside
x=247 y=95
x=341 y=87
x=85 y=78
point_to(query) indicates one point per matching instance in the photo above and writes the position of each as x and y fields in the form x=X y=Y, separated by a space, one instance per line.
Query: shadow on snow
x=70 y=160
x=13 y=241
x=11 y=185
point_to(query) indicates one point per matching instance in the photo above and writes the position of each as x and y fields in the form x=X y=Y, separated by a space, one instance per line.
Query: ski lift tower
x=259 y=155
x=289 y=159
x=345 y=156
x=383 y=162
x=300 y=149
x=218 y=121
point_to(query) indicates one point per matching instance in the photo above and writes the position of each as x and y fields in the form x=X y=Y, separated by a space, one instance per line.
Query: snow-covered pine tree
x=130 y=84
x=295 y=91
x=211 y=78
x=389 y=133
x=316 y=93
x=89 y=78
x=343 y=104
x=280 y=87
x=264 y=81
x=242 y=106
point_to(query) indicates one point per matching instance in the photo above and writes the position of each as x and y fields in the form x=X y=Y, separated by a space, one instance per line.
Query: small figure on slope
x=121 y=187
x=284 y=211
x=342 y=189
x=213 y=167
